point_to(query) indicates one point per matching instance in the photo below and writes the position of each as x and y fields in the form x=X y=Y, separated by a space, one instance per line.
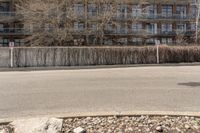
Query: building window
x=4 y=42
x=109 y=28
x=152 y=28
x=152 y=11
x=181 y=27
x=79 y=26
x=122 y=28
x=4 y=7
x=108 y=41
x=19 y=42
x=193 y=26
x=136 y=27
x=136 y=11
x=166 y=28
x=194 y=11
x=181 y=11
x=47 y=27
x=79 y=9
x=151 y=41
x=122 y=40
x=1 y=28
x=92 y=26
x=92 y=10
x=167 y=11
x=105 y=8
x=167 y=40
x=136 y=40
x=122 y=11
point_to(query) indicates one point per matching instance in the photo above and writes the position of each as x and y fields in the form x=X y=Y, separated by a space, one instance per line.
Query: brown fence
x=84 y=56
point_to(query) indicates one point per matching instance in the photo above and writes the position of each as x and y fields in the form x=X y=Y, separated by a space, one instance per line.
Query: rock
x=7 y=129
x=3 y=131
x=140 y=125
x=196 y=127
x=149 y=122
x=130 y=129
x=147 y=130
x=38 y=125
x=178 y=130
x=166 y=116
x=89 y=118
x=159 y=129
x=192 y=118
x=187 y=126
x=70 y=120
x=79 y=130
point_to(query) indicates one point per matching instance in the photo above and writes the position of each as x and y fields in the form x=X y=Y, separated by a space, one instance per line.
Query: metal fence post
x=157 y=54
x=11 y=57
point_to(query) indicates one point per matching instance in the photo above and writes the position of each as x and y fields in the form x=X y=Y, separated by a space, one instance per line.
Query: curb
x=107 y=114
x=95 y=67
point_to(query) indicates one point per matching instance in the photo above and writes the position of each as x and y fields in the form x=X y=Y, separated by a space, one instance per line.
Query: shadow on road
x=191 y=84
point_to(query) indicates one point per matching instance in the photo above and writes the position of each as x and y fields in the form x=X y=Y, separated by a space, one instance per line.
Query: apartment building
x=137 y=22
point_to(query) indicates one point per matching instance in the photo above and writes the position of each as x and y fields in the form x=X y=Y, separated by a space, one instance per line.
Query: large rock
x=38 y=125
x=6 y=129
x=3 y=131
x=79 y=130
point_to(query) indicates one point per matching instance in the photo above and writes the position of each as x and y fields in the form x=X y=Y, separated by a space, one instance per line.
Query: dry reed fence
x=179 y=54
x=83 y=56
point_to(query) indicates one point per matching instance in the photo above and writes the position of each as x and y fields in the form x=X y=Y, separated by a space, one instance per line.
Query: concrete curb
x=106 y=114
x=96 y=67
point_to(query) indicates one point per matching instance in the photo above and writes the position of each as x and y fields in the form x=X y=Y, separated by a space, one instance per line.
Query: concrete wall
x=4 y=57
x=83 y=56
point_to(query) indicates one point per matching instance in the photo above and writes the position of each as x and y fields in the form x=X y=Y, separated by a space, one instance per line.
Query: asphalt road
x=37 y=93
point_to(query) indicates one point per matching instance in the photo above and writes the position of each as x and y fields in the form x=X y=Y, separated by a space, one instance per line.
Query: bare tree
x=51 y=21
x=180 y=37
x=110 y=15
x=105 y=13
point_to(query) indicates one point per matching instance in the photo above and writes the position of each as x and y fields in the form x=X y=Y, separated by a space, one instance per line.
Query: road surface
x=34 y=93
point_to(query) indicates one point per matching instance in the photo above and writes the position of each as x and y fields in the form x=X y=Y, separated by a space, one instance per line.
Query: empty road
x=37 y=93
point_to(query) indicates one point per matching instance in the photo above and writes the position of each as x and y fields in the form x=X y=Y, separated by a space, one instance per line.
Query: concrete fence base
x=4 y=57
x=84 y=56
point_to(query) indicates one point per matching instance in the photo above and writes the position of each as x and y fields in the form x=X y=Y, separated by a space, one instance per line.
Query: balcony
x=148 y=17
x=168 y=17
x=9 y=16
x=144 y=32
x=15 y=32
x=93 y=31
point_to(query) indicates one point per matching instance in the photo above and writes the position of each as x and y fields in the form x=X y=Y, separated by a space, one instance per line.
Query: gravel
x=132 y=124
x=139 y=124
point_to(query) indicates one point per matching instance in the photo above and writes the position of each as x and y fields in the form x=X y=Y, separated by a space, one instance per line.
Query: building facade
x=147 y=22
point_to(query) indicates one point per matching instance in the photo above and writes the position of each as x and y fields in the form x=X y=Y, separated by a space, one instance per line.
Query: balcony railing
x=93 y=31
x=173 y=17
x=122 y=16
x=15 y=31
x=8 y=14
x=131 y=16
x=144 y=32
